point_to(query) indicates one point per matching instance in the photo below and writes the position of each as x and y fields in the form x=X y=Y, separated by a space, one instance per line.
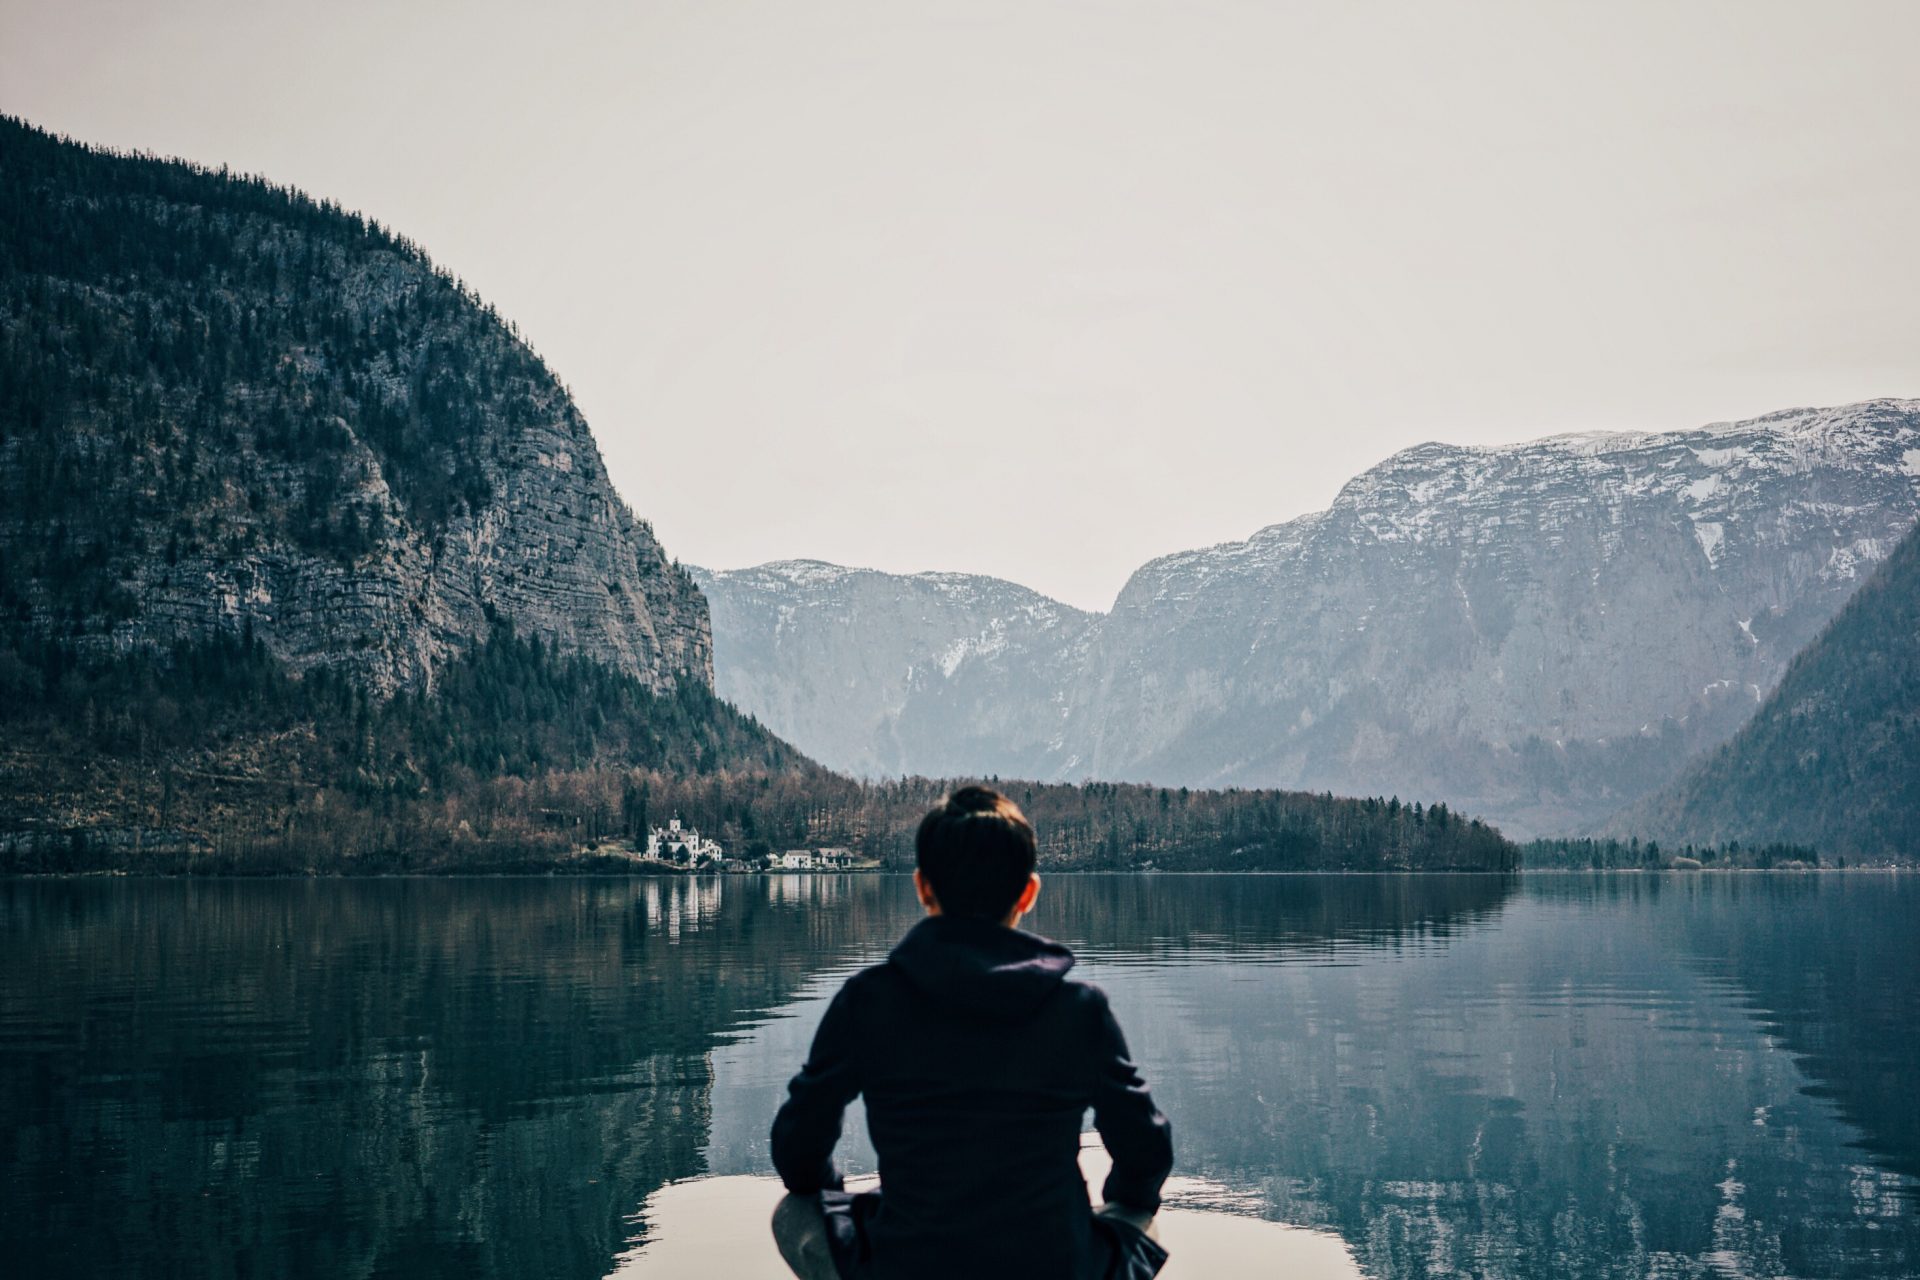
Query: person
x=978 y=1059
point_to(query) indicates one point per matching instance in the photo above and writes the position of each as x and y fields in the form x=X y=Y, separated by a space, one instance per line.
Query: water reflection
x=1597 y=1076
x=1831 y=966
x=374 y=1078
x=1554 y=1096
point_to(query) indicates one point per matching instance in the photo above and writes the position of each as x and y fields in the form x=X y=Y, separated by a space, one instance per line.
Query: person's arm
x=808 y=1123
x=1136 y=1135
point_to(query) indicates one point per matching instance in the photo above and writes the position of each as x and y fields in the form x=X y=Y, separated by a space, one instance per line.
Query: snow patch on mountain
x=1710 y=535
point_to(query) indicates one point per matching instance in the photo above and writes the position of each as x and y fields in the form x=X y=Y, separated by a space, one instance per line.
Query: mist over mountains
x=1542 y=633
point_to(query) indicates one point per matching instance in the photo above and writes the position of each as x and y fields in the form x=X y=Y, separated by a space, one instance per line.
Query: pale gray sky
x=1150 y=275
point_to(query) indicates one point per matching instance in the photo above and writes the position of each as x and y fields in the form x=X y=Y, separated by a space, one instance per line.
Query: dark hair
x=976 y=850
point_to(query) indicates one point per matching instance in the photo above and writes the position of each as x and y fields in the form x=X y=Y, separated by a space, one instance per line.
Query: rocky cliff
x=226 y=408
x=1540 y=633
x=941 y=674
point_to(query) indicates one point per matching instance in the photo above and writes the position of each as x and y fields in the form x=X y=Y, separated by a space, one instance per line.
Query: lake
x=1629 y=1075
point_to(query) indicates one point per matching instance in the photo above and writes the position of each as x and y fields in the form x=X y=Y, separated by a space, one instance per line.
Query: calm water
x=1631 y=1076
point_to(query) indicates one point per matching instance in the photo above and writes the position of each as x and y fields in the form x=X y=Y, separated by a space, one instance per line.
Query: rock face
x=1538 y=633
x=1832 y=760
x=224 y=407
x=881 y=674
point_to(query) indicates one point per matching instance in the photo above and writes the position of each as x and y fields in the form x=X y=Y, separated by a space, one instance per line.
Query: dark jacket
x=978 y=1061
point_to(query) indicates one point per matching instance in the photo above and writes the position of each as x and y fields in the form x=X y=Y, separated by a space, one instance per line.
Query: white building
x=683 y=846
x=815 y=859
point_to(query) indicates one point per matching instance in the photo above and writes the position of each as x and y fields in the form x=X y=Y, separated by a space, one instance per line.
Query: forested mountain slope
x=1832 y=759
x=225 y=406
x=306 y=559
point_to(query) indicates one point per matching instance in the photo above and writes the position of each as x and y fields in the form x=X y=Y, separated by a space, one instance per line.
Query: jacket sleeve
x=808 y=1123
x=1136 y=1135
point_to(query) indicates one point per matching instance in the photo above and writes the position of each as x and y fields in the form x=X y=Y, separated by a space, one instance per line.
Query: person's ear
x=925 y=891
x=1027 y=895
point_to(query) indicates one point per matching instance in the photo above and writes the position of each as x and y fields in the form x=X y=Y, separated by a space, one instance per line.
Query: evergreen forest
x=212 y=758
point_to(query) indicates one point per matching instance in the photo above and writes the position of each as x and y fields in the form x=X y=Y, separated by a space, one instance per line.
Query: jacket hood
x=980 y=966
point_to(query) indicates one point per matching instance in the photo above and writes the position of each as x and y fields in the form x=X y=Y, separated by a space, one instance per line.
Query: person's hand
x=1140 y=1220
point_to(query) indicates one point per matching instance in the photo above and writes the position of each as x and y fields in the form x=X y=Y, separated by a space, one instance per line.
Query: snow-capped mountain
x=1538 y=633
x=882 y=674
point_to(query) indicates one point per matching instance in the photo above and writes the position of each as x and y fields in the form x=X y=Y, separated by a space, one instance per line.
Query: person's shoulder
x=860 y=999
x=874 y=980
x=1090 y=997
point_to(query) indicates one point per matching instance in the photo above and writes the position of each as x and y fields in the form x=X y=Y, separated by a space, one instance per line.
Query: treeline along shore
x=212 y=759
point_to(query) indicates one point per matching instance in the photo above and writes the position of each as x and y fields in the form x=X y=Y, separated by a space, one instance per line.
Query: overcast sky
x=1044 y=289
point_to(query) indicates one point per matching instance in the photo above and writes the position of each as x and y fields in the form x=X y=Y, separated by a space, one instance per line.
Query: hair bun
x=974 y=800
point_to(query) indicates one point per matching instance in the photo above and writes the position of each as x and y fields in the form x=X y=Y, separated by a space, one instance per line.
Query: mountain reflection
x=1459 y=1075
x=1830 y=965
x=1560 y=1095
x=370 y=1078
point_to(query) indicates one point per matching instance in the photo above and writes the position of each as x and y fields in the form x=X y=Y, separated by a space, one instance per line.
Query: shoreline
x=597 y=874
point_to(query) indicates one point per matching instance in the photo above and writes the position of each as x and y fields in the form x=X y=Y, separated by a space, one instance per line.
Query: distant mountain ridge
x=226 y=408
x=1541 y=632
x=940 y=674
x=1832 y=760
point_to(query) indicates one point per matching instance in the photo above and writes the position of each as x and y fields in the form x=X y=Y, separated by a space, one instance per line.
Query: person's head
x=975 y=854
